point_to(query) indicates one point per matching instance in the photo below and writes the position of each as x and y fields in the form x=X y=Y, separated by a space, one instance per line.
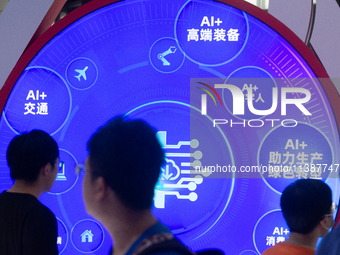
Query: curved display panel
x=153 y=60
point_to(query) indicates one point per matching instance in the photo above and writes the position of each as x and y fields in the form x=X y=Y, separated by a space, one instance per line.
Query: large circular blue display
x=157 y=60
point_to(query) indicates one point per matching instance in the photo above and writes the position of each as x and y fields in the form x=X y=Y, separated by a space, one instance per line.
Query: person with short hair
x=330 y=243
x=122 y=169
x=307 y=208
x=26 y=225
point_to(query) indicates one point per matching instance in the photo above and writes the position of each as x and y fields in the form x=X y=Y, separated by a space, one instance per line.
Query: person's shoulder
x=158 y=240
x=41 y=210
x=187 y=251
x=330 y=243
x=169 y=252
x=3 y=196
x=285 y=248
x=276 y=249
x=18 y=201
x=35 y=211
x=334 y=235
x=40 y=206
x=17 y=196
x=270 y=251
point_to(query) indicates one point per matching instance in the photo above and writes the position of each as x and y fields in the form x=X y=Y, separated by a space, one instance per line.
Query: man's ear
x=323 y=222
x=46 y=169
x=327 y=222
x=100 y=188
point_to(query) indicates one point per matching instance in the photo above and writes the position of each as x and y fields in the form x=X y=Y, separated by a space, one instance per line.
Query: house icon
x=86 y=235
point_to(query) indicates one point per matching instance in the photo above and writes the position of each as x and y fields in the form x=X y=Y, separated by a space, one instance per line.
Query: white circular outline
x=53 y=193
x=100 y=228
x=68 y=68
x=219 y=64
x=151 y=60
x=228 y=145
x=243 y=67
x=247 y=251
x=66 y=234
x=275 y=210
x=272 y=130
x=69 y=92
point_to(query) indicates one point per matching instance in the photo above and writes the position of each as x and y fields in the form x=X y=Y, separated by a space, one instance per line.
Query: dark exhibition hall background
x=153 y=60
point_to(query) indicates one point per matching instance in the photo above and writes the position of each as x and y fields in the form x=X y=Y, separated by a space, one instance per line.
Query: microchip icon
x=176 y=175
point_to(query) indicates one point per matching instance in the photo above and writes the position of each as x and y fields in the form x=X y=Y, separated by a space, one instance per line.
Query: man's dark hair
x=27 y=153
x=128 y=155
x=304 y=203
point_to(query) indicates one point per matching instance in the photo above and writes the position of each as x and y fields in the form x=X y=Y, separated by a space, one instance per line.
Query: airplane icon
x=81 y=73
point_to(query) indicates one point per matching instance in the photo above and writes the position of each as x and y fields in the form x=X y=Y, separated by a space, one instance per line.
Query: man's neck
x=308 y=241
x=21 y=186
x=127 y=227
